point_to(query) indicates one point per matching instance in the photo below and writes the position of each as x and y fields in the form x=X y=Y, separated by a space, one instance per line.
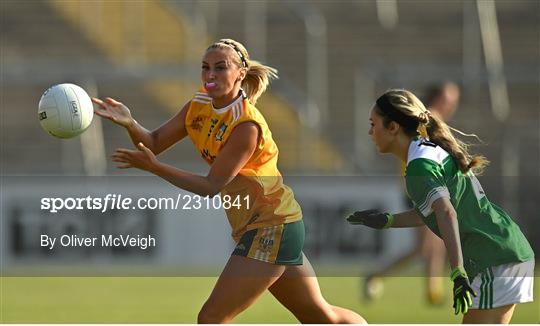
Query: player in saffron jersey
x=232 y=136
x=492 y=261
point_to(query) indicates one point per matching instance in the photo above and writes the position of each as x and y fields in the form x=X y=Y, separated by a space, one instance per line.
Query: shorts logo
x=240 y=246
x=265 y=244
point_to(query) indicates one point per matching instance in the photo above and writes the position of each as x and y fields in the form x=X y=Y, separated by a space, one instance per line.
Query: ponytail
x=257 y=79
x=439 y=133
x=430 y=126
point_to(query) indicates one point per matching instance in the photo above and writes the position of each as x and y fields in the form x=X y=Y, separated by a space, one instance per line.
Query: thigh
x=242 y=281
x=500 y=315
x=298 y=290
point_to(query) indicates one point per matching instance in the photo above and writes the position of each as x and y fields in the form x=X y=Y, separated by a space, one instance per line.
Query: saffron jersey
x=270 y=202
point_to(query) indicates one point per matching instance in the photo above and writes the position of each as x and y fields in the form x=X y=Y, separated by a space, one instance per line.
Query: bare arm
x=407 y=219
x=234 y=155
x=449 y=228
x=158 y=140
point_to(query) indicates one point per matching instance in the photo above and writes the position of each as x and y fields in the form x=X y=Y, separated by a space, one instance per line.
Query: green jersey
x=489 y=236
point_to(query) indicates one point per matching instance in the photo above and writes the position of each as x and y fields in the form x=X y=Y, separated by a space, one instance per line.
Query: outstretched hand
x=113 y=110
x=143 y=158
x=371 y=218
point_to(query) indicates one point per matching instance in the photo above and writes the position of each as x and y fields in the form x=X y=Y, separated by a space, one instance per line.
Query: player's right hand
x=371 y=218
x=113 y=110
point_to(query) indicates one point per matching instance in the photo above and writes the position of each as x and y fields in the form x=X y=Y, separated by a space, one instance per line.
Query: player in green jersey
x=492 y=261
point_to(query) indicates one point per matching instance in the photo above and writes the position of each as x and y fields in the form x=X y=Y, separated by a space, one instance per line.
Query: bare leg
x=242 y=281
x=373 y=284
x=501 y=315
x=298 y=290
x=400 y=262
x=434 y=254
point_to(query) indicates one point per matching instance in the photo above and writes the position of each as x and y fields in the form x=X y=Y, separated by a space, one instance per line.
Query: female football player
x=232 y=136
x=484 y=245
x=442 y=100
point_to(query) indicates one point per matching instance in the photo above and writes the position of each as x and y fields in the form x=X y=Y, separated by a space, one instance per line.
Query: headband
x=235 y=48
x=394 y=114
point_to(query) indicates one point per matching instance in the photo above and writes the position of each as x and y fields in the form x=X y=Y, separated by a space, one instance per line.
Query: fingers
x=355 y=218
x=462 y=304
x=122 y=158
x=107 y=103
x=112 y=101
x=125 y=151
x=140 y=159
x=98 y=101
x=359 y=217
x=367 y=212
x=119 y=157
x=468 y=299
x=102 y=109
x=360 y=214
x=122 y=155
x=102 y=113
x=465 y=307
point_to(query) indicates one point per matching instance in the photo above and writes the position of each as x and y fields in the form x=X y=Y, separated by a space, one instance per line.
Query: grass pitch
x=178 y=300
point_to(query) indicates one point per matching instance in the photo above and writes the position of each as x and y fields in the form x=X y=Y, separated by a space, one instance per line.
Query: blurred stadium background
x=334 y=58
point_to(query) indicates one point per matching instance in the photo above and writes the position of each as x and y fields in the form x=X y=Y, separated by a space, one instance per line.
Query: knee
x=211 y=316
x=346 y=316
x=318 y=315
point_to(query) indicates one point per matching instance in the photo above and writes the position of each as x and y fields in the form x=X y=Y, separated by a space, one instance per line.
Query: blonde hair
x=258 y=75
x=432 y=127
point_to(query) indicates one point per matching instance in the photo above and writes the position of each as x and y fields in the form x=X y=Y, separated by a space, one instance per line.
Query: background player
x=483 y=243
x=234 y=139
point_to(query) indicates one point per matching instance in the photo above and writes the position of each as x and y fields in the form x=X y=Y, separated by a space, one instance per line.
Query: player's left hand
x=142 y=159
x=462 y=291
x=371 y=218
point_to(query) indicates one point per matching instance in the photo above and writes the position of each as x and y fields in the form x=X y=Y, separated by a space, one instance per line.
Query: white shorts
x=502 y=285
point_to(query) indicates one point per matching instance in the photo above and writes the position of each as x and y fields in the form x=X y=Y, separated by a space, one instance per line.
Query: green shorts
x=279 y=244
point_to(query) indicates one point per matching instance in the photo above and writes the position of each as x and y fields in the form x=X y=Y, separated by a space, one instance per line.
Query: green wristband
x=457 y=272
x=390 y=220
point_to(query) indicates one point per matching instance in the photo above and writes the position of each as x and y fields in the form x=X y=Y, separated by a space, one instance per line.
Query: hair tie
x=237 y=50
x=424 y=117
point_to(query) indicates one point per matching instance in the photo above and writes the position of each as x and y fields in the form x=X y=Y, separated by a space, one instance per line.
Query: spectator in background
x=441 y=99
